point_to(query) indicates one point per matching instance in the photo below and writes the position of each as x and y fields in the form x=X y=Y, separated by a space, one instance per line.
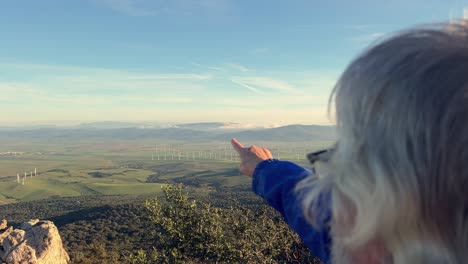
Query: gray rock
x=38 y=243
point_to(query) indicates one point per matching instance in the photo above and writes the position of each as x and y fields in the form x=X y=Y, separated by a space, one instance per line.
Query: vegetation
x=229 y=226
x=194 y=232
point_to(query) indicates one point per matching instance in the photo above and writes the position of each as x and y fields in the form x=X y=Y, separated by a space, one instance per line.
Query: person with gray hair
x=395 y=189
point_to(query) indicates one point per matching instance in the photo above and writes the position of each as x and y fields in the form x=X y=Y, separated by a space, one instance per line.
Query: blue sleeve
x=275 y=181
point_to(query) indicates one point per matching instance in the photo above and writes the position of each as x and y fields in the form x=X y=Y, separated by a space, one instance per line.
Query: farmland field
x=108 y=167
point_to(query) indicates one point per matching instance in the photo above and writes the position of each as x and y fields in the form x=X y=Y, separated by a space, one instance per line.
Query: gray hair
x=400 y=171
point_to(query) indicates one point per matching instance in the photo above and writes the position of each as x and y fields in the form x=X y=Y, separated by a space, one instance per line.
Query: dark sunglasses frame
x=321 y=155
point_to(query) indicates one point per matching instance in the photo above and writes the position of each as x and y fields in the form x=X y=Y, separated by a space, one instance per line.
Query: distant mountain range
x=194 y=126
x=113 y=125
x=223 y=126
x=213 y=131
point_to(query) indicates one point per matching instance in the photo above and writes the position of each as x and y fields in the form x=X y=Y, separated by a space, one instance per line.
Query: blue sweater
x=275 y=181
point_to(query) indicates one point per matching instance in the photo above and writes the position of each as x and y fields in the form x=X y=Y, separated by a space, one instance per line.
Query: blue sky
x=247 y=61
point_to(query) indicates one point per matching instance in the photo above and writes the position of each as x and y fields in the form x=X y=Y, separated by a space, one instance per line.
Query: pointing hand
x=250 y=157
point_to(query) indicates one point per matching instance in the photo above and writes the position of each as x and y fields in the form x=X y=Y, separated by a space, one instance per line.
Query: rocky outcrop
x=35 y=242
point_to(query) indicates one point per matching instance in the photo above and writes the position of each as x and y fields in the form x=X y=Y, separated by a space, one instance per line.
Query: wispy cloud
x=364 y=34
x=253 y=89
x=266 y=83
x=33 y=95
x=79 y=72
x=50 y=85
x=59 y=92
x=215 y=68
x=238 y=67
x=212 y=68
x=285 y=101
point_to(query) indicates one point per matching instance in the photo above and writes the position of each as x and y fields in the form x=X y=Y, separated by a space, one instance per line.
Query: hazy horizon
x=71 y=123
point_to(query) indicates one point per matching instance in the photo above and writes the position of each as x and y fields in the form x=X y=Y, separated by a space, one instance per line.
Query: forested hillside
x=178 y=227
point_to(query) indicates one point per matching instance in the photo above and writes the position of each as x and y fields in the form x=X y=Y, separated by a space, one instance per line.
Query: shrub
x=193 y=232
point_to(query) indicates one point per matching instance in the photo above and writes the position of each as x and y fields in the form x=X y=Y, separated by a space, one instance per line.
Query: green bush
x=193 y=232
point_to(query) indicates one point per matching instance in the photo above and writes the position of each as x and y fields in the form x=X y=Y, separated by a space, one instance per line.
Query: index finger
x=237 y=145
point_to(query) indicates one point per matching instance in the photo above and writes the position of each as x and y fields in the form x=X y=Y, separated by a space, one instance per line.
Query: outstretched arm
x=275 y=181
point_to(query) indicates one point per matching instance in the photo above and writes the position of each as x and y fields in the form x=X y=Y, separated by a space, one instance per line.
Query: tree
x=192 y=232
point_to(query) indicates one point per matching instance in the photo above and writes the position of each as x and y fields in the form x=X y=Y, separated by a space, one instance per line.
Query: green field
x=124 y=167
x=78 y=182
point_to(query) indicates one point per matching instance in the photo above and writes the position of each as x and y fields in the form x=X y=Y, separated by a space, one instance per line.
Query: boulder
x=36 y=242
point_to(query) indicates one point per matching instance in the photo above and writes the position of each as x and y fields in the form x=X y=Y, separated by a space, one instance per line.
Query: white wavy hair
x=399 y=175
